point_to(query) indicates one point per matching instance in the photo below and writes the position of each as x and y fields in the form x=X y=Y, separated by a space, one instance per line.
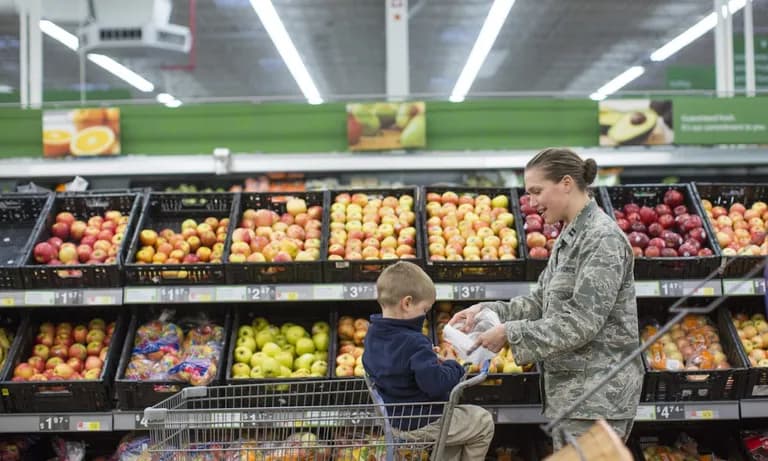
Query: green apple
x=247 y=341
x=240 y=370
x=304 y=361
x=257 y=358
x=246 y=330
x=305 y=346
x=273 y=329
x=259 y=323
x=321 y=356
x=300 y=373
x=243 y=354
x=289 y=348
x=294 y=333
x=284 y=358
x=321 y=327
x=284 y=327
x=415 y=133
x=270 y=368
x=319 y=367
x=321 y=341
x=271 y=349
x=285 y=372
x=256 y=373
x=500 y=201
x=280 y=340
x=263 y=337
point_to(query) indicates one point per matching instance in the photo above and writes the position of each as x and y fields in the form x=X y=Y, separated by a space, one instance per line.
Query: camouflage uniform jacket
x=580 y=320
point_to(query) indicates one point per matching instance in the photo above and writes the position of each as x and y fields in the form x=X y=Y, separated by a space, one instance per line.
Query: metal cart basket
x=302 y=420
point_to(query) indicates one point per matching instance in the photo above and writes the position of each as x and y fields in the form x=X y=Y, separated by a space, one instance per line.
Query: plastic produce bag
x=132 y=448
x=67 y=450
x=463 y=342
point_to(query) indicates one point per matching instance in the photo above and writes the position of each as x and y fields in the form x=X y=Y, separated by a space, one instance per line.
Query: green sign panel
x=721 y=121
x=761 y=62
x=690 y=78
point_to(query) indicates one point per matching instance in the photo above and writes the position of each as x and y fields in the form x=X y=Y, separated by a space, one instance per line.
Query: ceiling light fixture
x=619 y=82
x=276 y=30
x=497 y=15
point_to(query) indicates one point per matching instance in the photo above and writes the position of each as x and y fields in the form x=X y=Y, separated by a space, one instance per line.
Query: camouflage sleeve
x=520 y=308
x=572 y=323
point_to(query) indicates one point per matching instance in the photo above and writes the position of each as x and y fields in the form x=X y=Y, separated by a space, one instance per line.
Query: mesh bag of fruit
x=692 y=344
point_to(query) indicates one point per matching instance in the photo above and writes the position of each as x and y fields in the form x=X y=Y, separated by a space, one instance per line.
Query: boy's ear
x=406 y=302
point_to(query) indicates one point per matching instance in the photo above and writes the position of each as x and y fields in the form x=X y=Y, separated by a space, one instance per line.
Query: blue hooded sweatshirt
x=400 y=361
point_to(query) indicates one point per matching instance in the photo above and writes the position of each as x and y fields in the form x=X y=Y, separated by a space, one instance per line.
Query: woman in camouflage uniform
x=580 y=320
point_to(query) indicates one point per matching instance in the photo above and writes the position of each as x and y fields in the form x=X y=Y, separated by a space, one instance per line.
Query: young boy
x=402 y=363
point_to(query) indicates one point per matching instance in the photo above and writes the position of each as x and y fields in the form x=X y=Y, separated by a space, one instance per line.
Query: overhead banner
x=636 y=122
x=721 y=121
x=386 y=126
x=81 y=132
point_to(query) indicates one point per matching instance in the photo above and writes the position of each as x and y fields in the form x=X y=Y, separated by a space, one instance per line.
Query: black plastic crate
x=711 y=440
x=278 y=272
x=721 y=194
x=457 y=271
x=756 y=385
x=340 y=271
x=21 y=216
x=168 y=210
x=137 y=395
x=691 y=267
x=83 y=206
x=15 y=322
x=698 y=385
x=535 y=266
x=65 y=396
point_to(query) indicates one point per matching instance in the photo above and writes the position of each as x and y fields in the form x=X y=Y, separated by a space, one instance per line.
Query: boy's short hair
x=404 y=279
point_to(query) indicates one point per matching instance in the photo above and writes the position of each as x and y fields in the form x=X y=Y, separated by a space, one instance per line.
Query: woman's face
x=548 y=197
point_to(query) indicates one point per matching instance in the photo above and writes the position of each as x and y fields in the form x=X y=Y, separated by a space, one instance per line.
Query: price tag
x=139 y=421
x=705 y=291
x=104 y=300
x=359 y=291
x=703 y=414
x=261 y=293
x=736 y=287
x=201 y=295
x=39 y=298
x=53 y=423
x=89 y=426
x=65 y=297
x=230 y=293
x=645 y=413
x=140 y=295
x=670 y=412
x=253 y=419
x=646 y=289
x=320 y=292
x=7 y=302
x=174 y=294
x=759 y=286
x=288 y=295
x=444 y=291
x=671 y=287
x=468 y=291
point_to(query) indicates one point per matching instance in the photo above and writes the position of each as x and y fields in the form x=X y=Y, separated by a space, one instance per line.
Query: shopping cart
x=307 y=420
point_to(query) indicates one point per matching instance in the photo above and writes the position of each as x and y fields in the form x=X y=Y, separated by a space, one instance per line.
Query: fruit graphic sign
x=83 y=132
x=386 y=126
x=636 y=122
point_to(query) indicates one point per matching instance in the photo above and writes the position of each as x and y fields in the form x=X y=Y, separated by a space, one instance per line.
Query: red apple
x=83 y=253
x=673 y=198
x=38 y=363
x=60 y=351
x=705 y=252
x=652 y=252
x=77 y=350
x=657 y=242
x=93 y=362
x=666 y=221
x=697 y=234
x=662 y=209
x=42 y=351
x=65 y=217
x=630 y=208
x=60 y=230
x=76 y=364
x=655 y=229
x=51 y=363
x=648 y=215
x=638 y=226
x=55 y=242
x=63 y=338
x=637 y=252
x=80 y=333
x=44 y=252
x=668 y=253
x=23 y=370
x=638 y=239
x=45 y=339
x=63 y=370
x=623 y=224
x=538 y=253
x=633 y=217
x=93 y=348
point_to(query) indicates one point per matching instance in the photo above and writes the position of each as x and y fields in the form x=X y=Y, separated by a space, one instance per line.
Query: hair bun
x=590 y=170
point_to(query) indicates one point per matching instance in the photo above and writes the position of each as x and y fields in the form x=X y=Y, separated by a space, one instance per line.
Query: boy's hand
x=493 y=339
x=467 y=316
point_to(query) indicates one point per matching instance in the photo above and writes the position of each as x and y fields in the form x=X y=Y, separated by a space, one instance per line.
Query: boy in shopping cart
x=401 y=362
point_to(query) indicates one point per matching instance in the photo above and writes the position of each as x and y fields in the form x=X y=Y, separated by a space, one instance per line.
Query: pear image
x=404 y=114
x=369 y=122
x=415 y=133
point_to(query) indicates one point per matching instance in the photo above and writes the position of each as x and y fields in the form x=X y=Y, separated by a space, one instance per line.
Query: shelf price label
x=645 y=413
x=739 y=287
x=89 y=426
x=643 y=289
x=671 y=288
x=704 y=414
x=174 y=294
x=254 y=419
x=759 y=285
x=139 y=421
x=53 y=423
x=140 y=295
x=466 y=291
x=670 y=412
x=226 y=293
x=69 y=297
x=359 y=291
x=444 y=291
x=261 y=293
x=39 y=298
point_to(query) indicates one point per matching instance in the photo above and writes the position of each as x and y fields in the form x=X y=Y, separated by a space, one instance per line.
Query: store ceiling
x=544 y=46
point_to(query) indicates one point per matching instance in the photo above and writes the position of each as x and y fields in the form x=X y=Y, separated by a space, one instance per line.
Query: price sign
x=670 y=412
x=254 y=419
x=89 y=426
x=54 y=423
x=39 y=298
x=7 y=302
x=759 y=286
x=225 y=293
x=643 y=289
x=140 y=295
x=737 y=287
x=69 y=297
x=140 y=422
x=469 y=291
x=444 y=291
x=261 y=293
x=359 y=291
x=671 y=287
x=174 y=294
x=704 y=414
x=645 y=413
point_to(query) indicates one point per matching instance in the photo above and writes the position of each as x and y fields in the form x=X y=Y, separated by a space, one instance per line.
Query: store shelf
x=128 y=420
x=60 y=422
x=688 y=411
x=518 y=414
x=744 y=288
x=754 y=408
x=128 y=165
x=68 y=297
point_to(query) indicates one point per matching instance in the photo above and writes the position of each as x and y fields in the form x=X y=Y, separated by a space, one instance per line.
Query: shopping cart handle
x=485 y=367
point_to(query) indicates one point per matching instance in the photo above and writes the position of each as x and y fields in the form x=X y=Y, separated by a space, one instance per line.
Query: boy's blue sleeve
x=434 y=378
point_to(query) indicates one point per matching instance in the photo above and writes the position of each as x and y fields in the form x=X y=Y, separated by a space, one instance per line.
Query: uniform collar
x=582 y=220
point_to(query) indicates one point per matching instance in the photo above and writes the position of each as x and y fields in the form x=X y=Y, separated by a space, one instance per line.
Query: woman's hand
x=493 y=339
x=467 y=317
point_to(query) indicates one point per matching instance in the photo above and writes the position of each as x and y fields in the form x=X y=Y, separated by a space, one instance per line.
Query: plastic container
x=756 y=385
x=691 y=267
x=169 y=210
x=278 y=272
x=340 y=271
x=21 y=216
x=137 y=395
x=64 y=396
x=83 y=206
x=15 y=322
x=466 y=271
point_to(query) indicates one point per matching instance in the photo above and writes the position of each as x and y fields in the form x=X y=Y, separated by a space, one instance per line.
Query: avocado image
x=608 y=118
x=415 y=133
x=633 y=127
x=386 y=113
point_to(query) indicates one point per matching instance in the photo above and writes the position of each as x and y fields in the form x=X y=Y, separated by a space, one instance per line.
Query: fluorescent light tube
x=122 y=72
x=57 y=33
x=276 y=30
x=490 y=30
x=618 y=83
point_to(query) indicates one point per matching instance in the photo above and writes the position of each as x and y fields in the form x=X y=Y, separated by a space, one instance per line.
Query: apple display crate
x=756 y=385
x=137 y=395
x=697 y=385
x=680 y=267
x=482 y=270
x=278 y=272
x=21 y=216
x=169 y=210
x=726 y=195
x=14 y=322
x=338 y=271
x=82 y=206
x=304 y=315
x=535 y=266
x=64 y=395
